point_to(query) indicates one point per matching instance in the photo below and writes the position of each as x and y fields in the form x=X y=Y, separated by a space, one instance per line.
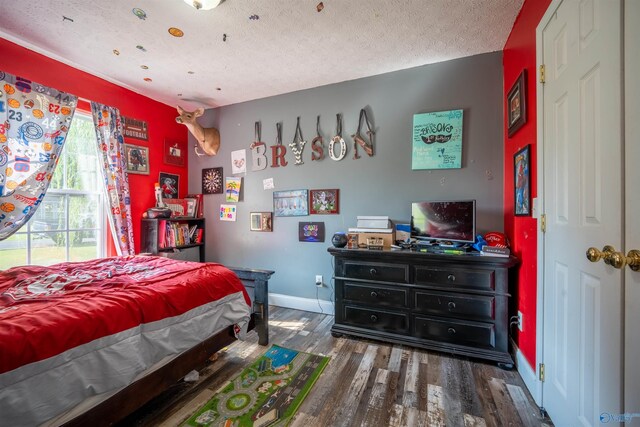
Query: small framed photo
x=199 y=204
x=324 y=201
x=192 y=205
x=137 y=159
x=169 y=183
x=352 y=241
x=261 y=221
x=291 y=203
x=522 y=183
x=517 y=104
x=212 y=181
x=175 y=152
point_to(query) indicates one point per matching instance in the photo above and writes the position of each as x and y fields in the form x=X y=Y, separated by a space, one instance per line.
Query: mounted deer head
x=208 y=139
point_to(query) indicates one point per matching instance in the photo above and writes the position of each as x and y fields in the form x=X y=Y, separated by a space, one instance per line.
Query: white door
x=583 y=202
x=632 y=205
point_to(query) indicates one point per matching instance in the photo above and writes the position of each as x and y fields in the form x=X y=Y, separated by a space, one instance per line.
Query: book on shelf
x=162 y=234
x=495 y=251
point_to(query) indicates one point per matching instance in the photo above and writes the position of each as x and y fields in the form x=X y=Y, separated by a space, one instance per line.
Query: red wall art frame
x=175 y=152
x=324 y=201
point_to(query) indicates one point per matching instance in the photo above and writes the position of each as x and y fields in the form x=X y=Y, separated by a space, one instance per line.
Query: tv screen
x=453 y=221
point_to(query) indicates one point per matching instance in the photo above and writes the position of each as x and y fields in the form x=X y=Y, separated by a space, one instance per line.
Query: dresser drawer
x=458 y=278
x=376 y=319
x=382 y=296
x=456 y=331
x=377 y=271
x=474 y=307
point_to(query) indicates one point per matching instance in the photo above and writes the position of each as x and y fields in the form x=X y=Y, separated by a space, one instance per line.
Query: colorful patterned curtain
x=34 y=120
x=114 y=172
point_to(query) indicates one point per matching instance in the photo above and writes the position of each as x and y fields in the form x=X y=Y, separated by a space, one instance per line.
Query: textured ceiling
x=271 y=47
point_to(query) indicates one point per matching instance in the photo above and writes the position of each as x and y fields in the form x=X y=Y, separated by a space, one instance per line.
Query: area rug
x=267 y=393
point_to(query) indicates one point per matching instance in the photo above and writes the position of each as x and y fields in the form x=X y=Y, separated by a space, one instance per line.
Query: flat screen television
x=452 y=221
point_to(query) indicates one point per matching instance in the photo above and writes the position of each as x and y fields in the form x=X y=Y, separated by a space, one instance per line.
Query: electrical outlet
x=520 y=321
x=319 y=281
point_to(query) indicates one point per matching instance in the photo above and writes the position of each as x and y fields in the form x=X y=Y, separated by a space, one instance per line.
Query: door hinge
x=541 y=371
x=542 y=73
x=543 y=223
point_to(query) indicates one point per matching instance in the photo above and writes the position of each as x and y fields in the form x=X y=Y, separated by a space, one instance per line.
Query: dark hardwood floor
x=366 y=383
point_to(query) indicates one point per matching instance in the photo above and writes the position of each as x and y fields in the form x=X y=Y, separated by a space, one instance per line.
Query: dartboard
x=212 y=181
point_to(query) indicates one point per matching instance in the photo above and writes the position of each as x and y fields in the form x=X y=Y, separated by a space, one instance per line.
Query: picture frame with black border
x=212 y=181
x=311 y=232
x=169 y=185
x=517 y=104
x=522 y=182
x=137 y=158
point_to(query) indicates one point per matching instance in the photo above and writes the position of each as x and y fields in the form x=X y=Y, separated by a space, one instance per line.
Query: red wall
x=520 y=53
x=160 y=118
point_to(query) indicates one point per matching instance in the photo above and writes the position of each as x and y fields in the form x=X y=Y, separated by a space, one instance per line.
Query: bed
x=92 y=341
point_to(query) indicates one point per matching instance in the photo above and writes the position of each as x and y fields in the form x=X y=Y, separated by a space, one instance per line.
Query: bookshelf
x=166 y=235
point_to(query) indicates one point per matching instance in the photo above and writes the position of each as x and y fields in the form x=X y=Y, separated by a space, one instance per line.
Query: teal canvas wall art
x=437 y=140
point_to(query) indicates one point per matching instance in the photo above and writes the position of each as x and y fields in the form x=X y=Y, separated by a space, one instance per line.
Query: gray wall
x=380 y=185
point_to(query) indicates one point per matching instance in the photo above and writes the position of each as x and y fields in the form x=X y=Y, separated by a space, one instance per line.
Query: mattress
x=73 y=331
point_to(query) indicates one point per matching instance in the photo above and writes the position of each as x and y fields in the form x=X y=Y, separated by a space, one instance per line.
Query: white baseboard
x=297 y=303
x=529 y=377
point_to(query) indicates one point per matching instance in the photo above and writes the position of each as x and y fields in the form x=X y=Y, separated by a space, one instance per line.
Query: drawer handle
x=451 y=331
x=451 y=305
x=374 y=294
x=451 y=278
x=374 y=318
x=373 y=271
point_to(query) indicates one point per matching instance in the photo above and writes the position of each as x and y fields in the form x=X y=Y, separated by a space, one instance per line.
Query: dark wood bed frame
x=142 y=391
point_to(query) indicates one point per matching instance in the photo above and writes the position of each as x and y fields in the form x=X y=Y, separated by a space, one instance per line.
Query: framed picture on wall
x=522 y=182
x=137 y=159
x=261 y=221
x=291 y=203
x=212 y=182
x=437 y=140
x=169 y=183
x=324 y=201
x=517 y=104
x=311 y=232
x=175 y=152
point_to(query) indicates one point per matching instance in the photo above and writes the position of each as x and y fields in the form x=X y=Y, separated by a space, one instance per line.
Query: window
x=69 y=225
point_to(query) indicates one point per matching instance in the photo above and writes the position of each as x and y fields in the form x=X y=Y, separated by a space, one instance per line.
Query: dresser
x=451 y=303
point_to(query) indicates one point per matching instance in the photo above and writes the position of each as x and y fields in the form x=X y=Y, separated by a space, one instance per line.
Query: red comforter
x=47 y=310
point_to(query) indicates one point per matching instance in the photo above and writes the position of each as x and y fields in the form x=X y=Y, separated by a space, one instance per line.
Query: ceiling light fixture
x=203 y=4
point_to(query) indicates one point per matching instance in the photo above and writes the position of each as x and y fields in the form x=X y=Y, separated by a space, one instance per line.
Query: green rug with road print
x=267 y=393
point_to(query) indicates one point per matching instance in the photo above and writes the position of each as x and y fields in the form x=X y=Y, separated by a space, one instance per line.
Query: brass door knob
x=614 y=258
x=633 y=259
x=594 y=255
